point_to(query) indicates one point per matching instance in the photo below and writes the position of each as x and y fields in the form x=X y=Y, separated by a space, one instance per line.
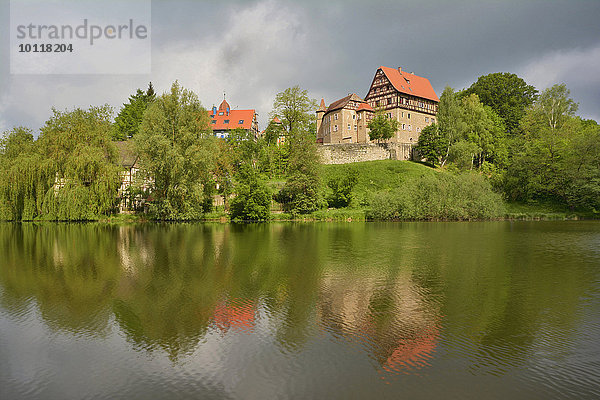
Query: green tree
x=127 y=122
x=507 y=94
x=252 y=201
x=300 y=194
x=295 y=109
x=79 y=161
x=382 y=128
x=341 y=189
x=432 y=145
x=177 y=150
x=448 y=118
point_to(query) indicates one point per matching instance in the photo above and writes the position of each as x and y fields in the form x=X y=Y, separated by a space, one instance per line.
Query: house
x=405 y=97
x=133 y=184
x=224 y=120
x=344 y=121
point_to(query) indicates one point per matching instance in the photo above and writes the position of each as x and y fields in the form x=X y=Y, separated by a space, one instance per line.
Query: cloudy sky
x=254 y=49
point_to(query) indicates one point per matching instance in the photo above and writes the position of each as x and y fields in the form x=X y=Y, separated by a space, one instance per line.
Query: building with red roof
x=223 y=120
x=344 y=121
x=405 y=97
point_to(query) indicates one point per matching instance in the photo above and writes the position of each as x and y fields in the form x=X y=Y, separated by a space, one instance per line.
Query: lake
x=463 y=310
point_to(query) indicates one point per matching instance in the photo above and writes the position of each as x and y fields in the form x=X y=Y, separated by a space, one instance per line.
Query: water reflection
x=408 y=296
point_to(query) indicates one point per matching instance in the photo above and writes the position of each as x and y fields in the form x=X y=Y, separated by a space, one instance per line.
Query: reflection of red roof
x=239 y=315
x=412 y=353
x=235 y=119
x=411 y=84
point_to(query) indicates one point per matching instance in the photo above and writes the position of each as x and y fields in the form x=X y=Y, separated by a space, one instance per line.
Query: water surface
x=324 y=311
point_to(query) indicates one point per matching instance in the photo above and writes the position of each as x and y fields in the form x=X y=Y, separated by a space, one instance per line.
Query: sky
x=251 y=50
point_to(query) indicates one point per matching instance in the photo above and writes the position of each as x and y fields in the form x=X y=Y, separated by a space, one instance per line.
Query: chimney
x=400 y=69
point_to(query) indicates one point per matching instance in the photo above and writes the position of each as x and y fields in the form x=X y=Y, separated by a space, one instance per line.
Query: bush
x=341 y=187
x=442 y=196
x=251 y=203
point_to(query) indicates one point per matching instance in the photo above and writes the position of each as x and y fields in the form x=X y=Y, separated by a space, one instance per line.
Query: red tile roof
x=233 y=117
x=411 y=84
x=365 y=106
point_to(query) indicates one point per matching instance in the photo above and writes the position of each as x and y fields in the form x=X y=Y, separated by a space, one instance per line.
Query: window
x=221 y=113
x=410 y=128
x=403 y=127
x=418 y=129
x=390 y=101
x=349 y=127
x=402 y=114
x=426 y=119
x=353 y=116
x=408 y=115
x=335 y=117
x=433 y=120
x=214 y=121
x=226 y=121
x=335 y=128
x=241 y=121
x=355 y=127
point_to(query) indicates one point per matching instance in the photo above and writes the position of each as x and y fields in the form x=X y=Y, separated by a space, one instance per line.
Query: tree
x=341 y=188
x=127 y=122
x=382 y=128
x=79 y=161
x=448 y=118
x=432 y=145
x=177 y=150
x=300 y=194
x=253 y=199
x=507 y=94
x=295 y=109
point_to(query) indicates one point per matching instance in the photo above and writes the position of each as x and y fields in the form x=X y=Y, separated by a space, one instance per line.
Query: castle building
x=405 y=97
x=344 y=121
x=224 y=120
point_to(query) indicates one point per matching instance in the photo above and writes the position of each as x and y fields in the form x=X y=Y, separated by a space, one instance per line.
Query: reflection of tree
x=70 y=270
x=385 y=287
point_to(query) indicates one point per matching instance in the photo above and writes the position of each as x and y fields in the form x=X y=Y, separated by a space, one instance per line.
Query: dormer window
x=220 y=112
x=226 y=121
x=241 y=121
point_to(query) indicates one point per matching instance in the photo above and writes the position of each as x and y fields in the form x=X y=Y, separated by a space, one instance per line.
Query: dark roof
x=127 y=156
x=341 y=103
x=410 y=83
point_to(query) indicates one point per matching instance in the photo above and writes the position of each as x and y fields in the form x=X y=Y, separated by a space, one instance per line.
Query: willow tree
x=20 y=181
x=80 y=164
x=177 y=151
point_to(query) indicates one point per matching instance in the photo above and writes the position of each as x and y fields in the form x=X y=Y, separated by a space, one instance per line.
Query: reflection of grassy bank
x=545 y=211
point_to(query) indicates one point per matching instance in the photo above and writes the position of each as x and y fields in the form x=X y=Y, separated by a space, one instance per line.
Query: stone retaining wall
x=356 y=152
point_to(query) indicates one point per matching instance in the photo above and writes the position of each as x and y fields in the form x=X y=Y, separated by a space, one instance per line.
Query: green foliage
x=432 y=145
x=252 y=201
x=300 y=194
x=127 y=122
x=439 y=196
x=507 y=94
x=341 y=189
x=382 y=127
x=295 y=109
x=178 y=151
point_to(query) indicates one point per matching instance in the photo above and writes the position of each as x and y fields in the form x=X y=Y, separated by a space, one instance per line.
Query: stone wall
x=356 y=152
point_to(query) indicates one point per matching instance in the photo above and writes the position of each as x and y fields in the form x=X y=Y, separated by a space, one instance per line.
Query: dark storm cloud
x=254 y=49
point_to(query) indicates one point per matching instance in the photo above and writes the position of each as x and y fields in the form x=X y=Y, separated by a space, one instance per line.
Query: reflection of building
x=240 y=316
x=360 y=310
x=344 y=121
x=405 y=97
x=224 y=120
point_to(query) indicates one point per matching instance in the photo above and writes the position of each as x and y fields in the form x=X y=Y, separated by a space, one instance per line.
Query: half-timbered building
x=405 y=97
